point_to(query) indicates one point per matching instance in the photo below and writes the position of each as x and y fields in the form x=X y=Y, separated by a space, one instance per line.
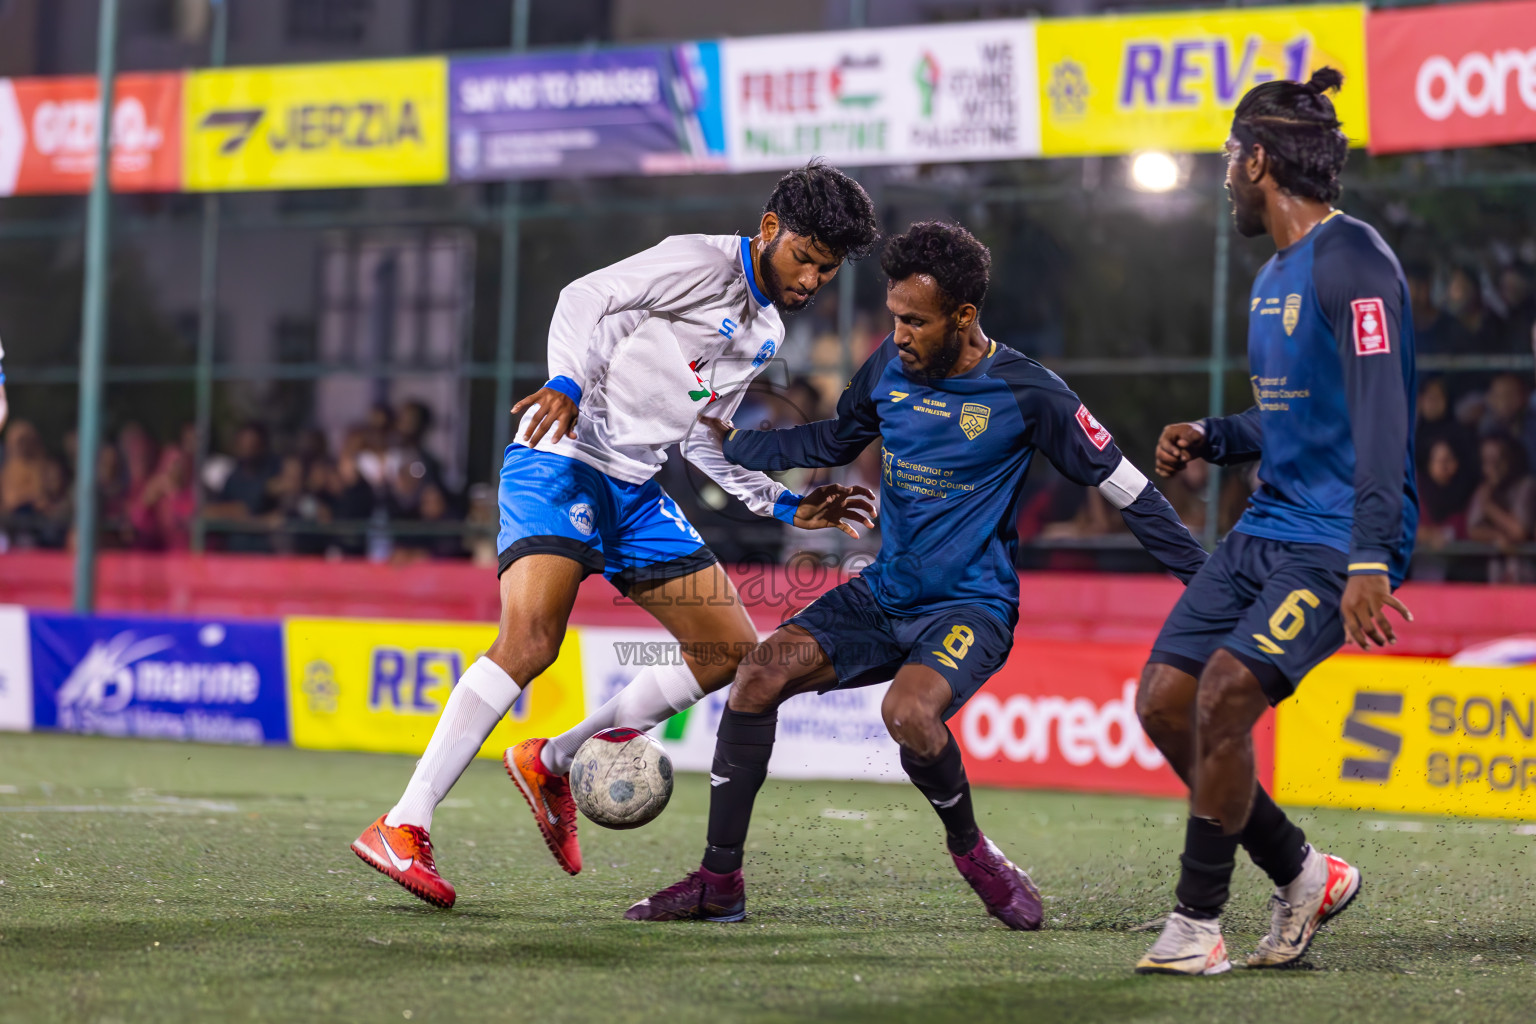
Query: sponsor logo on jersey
x=887 y=459
x=1292 y=315
x=897 y=396
x=1255 y=304
x=1370 y=327
x=1097 y=435
x=728 y=328
x=583 y=518
x=973 y=419
x=765 y=353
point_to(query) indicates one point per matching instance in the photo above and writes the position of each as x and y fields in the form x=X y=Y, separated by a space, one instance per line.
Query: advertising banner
x=939 y=93
x=1412 y=736
x=566 y=115
x=838 y=735
x=48 y=134
x=1462 y=75
x=318 y=125
x=380 y=686
x=1062 y=715
x=182 y=679
x=15 y=671
x=1171 y=81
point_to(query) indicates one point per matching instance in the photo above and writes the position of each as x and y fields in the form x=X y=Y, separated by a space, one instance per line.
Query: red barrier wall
x=1095 y=608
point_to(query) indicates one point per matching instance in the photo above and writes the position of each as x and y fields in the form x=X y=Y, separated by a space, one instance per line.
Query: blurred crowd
x=381 y=494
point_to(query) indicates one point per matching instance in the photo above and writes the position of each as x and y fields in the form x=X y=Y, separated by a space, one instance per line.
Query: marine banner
x=48 y=134
x=1116 y=84
x=356 y=684
x=940 y=93
x=1412 y=736
x=598 y=112
x=205 y=680
x=318 y=125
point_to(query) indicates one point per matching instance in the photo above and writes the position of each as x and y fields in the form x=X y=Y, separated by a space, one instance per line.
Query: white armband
x=1124 y=485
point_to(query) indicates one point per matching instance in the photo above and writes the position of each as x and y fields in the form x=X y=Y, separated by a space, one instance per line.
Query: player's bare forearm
x=1366 y=598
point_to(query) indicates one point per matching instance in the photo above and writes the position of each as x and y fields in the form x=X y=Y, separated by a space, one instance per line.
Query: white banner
x=15 y=671
x=837 y=735
x=903 y=95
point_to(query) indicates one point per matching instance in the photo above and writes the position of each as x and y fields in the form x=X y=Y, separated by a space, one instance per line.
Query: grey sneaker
x=1187 y=946
x=1324 y=888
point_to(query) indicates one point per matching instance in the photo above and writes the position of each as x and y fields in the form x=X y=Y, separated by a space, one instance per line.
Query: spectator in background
x=1434 y=331
x=1464 y=300
x=33 y=489
x=377 y=459
x=246 y=494
x=161 y=513
x=352 y=498
x=1445 y=492
x=1505 y=408
x=1519 y=306
x=1435 y=423
x=140 y=457
x=1503 y=508
x=434 y=510
x=414 y=421
x=112 y=498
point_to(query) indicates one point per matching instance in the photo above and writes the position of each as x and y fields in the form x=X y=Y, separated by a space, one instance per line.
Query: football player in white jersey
x=636 y=351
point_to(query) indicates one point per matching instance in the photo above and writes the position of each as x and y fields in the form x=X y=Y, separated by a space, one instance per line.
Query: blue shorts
x=1273 y=604
x=867 y=645
x=631 y=533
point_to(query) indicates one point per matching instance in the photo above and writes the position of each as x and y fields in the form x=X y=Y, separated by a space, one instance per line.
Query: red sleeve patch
x=1370 y=327
x=1093 y=428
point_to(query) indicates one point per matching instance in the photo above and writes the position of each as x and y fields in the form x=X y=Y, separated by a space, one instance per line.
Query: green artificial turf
x=165 y=882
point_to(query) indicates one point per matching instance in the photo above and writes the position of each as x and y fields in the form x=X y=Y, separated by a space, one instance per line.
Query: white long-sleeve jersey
x=652 y=341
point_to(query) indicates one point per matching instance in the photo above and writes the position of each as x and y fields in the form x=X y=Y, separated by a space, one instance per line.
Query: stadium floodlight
x=1154 y=171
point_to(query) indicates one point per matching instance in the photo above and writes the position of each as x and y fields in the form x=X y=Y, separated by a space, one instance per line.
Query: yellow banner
x=318 y=126
x=1399 y=734
x=380 y=686
x=1171 y=81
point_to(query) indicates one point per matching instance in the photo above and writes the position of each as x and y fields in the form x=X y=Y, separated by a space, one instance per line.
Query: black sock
x=742 y=748
x=944 y=783
x=1206 y=877
x=1274 y=842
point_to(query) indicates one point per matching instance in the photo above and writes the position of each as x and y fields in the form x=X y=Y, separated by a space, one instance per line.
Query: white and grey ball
x=621 y=778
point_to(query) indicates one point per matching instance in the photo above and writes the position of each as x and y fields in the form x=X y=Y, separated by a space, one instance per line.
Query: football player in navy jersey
x=1324 y=542
x=960 y=418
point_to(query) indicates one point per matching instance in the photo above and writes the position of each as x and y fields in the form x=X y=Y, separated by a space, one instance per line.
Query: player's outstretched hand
x=556 y=411
x=836 y=505
x=1179 y=443
x=1364 y=609
x=720 y=428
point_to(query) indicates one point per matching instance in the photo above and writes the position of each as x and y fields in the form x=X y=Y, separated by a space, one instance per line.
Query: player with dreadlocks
x=1324 y=542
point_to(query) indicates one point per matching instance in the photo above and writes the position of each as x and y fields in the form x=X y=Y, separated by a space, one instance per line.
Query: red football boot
x=549 y=797
x=404 y=853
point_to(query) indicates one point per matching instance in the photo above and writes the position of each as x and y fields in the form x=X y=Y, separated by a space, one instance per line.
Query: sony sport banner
x=48 y=134
x=1171 y=81
x=15 y=671
x=601 y=112
x=836 y=735
x=1412 y=736
x=204 y=680
x=318 y=126
x=1463 y=75
x=380 y=686
x=940 y=93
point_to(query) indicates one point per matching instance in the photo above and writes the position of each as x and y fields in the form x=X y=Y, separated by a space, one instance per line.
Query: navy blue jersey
x=1330 y=354
x=955 y=454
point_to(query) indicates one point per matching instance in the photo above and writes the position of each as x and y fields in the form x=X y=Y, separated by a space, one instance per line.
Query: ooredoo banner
x=48 y=133
x=1410 y=735
x=1459 y=75
x=205 y=680
x=901 y=95
x=633 y=111
x=1116 y=84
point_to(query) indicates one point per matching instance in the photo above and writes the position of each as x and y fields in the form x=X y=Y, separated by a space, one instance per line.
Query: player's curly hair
x=822 y=203
x=1296 y=124
x=959 y=264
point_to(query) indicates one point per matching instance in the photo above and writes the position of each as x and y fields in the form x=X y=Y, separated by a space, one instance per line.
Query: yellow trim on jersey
x=993 y=350
x=1331 y=214
x=1368 y=567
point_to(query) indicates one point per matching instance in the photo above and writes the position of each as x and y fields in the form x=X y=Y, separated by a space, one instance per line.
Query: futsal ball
x=621 y=778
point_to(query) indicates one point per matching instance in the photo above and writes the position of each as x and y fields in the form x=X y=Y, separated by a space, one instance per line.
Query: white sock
x=653 y=696
x=483 y=695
